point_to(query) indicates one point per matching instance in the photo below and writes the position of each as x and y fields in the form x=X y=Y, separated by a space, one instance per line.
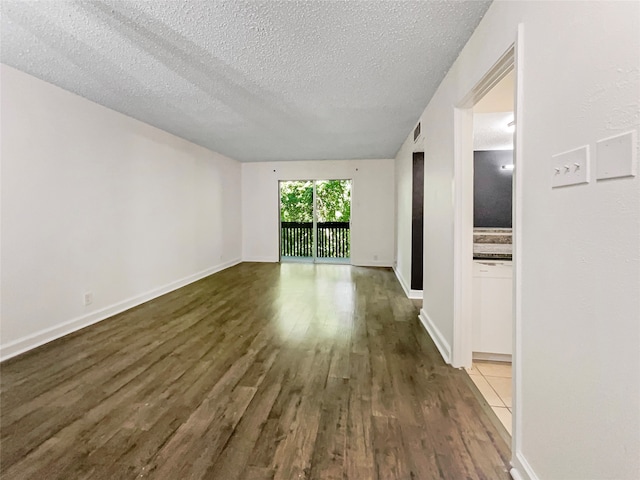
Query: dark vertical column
x=417 y=221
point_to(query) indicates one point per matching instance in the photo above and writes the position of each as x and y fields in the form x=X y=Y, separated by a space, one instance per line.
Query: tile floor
x=493 y=379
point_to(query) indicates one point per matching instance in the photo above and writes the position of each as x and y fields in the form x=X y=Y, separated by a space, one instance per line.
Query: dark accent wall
x=492 y=188
x=417 y=221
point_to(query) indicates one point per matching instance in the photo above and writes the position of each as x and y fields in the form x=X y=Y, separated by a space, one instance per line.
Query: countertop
x=492 y=256
x=492 y=244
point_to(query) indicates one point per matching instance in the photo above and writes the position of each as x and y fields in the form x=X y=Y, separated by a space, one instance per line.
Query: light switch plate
x=616 y=156
x=570 y=168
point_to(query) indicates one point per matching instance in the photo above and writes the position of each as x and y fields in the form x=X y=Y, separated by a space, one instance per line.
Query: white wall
x=404 y=214
x=580 y=258
x=372 y=209
x=96 y=201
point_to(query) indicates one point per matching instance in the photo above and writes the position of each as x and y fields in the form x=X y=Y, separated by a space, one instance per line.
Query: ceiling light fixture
x=511 y=126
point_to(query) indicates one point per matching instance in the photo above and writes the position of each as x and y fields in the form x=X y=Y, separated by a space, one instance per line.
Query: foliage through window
x=333 y=201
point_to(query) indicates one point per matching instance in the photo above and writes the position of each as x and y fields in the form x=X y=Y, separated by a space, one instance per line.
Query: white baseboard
x=261 y=259
x=515 y=474
x=354 y=261
x=521 y=469
x=493 y=357
x=41 y=337
x=443 y=346
x=371 y=263
x=413 y=294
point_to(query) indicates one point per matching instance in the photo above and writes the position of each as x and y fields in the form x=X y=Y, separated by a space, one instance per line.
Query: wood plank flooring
x=262 y=371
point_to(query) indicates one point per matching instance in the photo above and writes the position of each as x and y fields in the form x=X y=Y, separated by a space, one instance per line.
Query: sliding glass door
x=333 y=220
x=315 y=221
x=296 y=221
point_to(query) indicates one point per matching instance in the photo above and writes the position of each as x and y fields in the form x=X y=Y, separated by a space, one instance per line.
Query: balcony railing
x=296 y=239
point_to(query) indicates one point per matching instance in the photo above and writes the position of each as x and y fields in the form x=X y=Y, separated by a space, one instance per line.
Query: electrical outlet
x=88 y=298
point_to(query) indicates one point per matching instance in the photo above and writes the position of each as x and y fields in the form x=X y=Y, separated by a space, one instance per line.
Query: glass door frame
x=314 y=222
x=314 y=230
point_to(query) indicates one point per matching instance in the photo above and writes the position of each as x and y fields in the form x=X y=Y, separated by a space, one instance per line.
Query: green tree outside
x=296 y=201
x=333 y=203
x=334 y=200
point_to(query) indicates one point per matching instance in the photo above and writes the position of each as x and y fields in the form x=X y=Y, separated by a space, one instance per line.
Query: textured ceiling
x=491 y=131
x=492 y=115
x=256 y=80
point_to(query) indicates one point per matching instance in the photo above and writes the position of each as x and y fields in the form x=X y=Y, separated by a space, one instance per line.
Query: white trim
x=441 y=342
x=494 y=75
x=515 y=474
x=45 y=336
x=371 y=263
x=261 y=259
x=518 y=182
x=413 y=294
x=521 y=469
x=463 y=237
x=493 y=357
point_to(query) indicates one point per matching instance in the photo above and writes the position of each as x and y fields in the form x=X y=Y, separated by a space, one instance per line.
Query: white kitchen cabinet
x=492 y=307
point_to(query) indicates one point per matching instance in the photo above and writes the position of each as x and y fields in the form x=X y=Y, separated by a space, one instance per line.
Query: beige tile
x=487 y=392
x=473 y=370
x=502 y=386
x=505 y=417
x=494 y=369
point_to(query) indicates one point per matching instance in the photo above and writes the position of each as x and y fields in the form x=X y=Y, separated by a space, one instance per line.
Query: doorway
x=464 y=267
x=315 y=221
x=492 y=285
x=417 y=222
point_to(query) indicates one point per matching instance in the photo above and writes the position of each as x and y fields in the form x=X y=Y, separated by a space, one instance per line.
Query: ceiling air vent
x=416 y=133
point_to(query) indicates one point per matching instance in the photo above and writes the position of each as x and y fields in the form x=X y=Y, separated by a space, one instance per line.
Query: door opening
x=417 y=222
x=471 y=278
x=492 y=283
x=315 y=221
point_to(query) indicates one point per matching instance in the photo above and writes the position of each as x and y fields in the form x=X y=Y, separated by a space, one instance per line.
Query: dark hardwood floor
x=262 y=371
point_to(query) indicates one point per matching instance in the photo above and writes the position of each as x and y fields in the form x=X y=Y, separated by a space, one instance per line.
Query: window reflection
x=314 y=301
